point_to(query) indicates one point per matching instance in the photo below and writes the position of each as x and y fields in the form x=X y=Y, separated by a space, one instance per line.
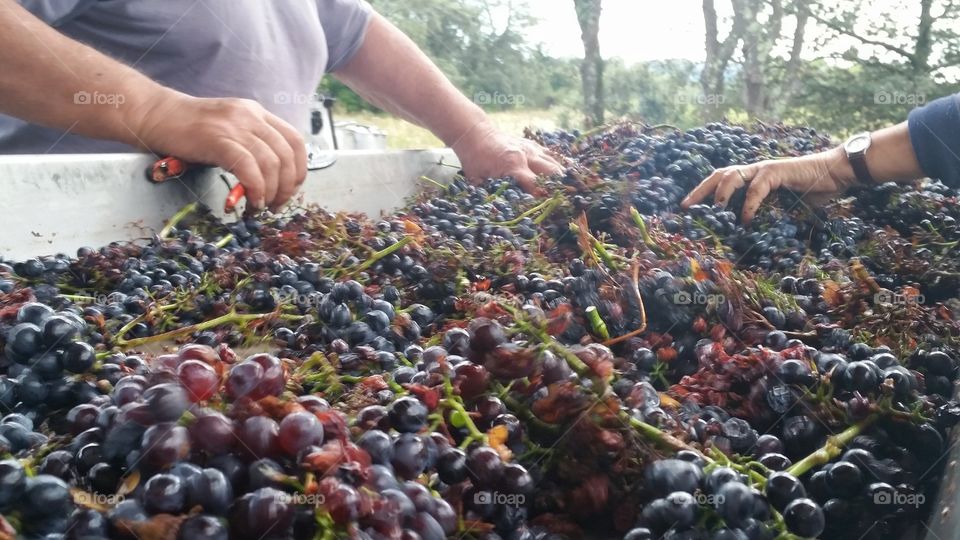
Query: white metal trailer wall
x=57 y=203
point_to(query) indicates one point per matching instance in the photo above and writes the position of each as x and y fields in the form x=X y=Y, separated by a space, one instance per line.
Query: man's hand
x=390 y=71
x=486 y=152
x=821 y=174
x=265 y=153
x=891 y=158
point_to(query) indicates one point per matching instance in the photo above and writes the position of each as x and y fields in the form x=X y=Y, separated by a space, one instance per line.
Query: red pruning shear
x=169 y=168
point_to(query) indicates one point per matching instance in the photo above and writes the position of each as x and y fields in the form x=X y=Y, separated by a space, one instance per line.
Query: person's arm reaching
x=928 y=144
x=56 y=79
x=391 y=72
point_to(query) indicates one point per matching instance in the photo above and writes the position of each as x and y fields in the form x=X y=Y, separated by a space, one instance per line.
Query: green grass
x=403 y=135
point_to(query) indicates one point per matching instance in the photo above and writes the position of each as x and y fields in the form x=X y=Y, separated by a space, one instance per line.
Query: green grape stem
x=596 y=323
x=454 y=402
x=831 y=449
x=222 y=243
x=382 y=253
x=230 y=318
x=661 y=438
x=177 y=218
x=547 y=205
x=642 y=225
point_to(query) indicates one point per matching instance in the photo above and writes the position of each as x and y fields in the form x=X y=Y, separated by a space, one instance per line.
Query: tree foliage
x=838 y=65
x=486 y=54
x=893 y=61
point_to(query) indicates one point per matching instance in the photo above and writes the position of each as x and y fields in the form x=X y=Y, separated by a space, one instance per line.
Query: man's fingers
x=269 y=164
x=705 y=188
x=295 y=140
x=287 y=173
x=536 y=152
x=758 y=191
x=474 y=179
x=528 y=182
x=729 y=184
x=541 y=164
x=552 y=159
x=239 y=161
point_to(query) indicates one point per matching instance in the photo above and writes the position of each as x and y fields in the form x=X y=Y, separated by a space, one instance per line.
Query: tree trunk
x=719 y=53
x=591 y=70
x=758 y=42
x=921 y=52
x=791 y=79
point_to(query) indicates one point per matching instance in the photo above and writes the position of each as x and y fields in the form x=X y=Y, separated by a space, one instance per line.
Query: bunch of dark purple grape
x=487 y=364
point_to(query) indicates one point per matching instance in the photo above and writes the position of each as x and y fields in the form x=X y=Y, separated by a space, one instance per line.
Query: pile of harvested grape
x=485 y=364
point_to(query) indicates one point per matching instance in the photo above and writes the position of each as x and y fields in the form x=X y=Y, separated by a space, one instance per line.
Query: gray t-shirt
x=272 y=51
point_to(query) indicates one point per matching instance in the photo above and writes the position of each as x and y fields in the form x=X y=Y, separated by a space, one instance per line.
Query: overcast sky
x=638 y=30
x=634 y=30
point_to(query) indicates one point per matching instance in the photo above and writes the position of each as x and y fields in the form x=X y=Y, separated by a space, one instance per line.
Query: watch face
x=858 y=144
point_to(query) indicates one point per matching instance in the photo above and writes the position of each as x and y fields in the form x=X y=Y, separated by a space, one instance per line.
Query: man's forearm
x=891 y=158
x=391 y=72
x=57 y=82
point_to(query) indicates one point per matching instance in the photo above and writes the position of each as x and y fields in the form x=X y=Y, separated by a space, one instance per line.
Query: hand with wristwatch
x=928 y=145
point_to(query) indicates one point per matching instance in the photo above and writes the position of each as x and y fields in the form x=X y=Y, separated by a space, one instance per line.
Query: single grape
x=408 y=415
x=378 y=444
x=212 y=432
x=783 y=488
x=210 y=490
x=243 y=380
x=78 y=357
x=484 y=467
x=87 y=523
x=260 y=436
x=452 y=465
x=202 y=527
x=45 y=497
x=844 y=479
x=804 y=518
x=409 y=456
x=265 y=511
x=199 y=379
x=163 y=493
x=735 y=503
x=164 y=444
x=12 y=481
x=166 y=402
x=298 y=431
x=669 y=475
